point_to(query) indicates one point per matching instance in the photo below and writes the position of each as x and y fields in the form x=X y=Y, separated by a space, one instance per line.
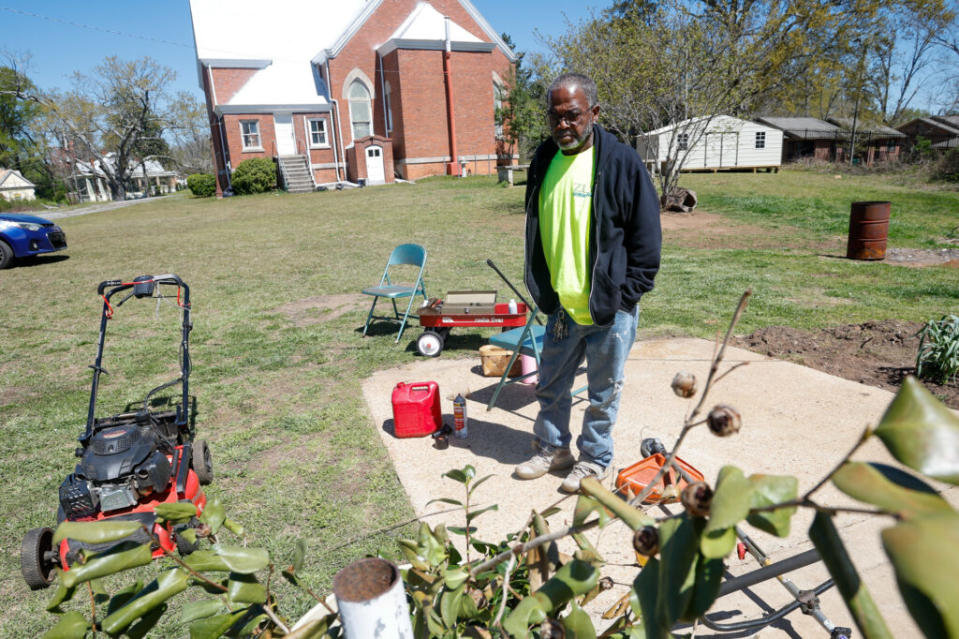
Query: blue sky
x=62 y=36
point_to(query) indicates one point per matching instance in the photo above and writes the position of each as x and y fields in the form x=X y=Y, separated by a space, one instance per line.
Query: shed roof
x=951 y=120
x=803 y=128
x=936 y=123
x=715 y=122
x=868 y=128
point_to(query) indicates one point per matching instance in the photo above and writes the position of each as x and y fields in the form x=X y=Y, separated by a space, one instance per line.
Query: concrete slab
x=796 y=420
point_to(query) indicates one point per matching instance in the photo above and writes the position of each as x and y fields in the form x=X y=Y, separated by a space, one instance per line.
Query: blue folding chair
x=404 y=254
x=525 y=340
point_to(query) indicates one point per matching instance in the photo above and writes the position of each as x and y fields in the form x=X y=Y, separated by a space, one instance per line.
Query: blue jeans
x=605 y=351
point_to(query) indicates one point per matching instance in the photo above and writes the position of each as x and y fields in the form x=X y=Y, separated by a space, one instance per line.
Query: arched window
x=499 y=98
x=361 y=113
x=389 y=108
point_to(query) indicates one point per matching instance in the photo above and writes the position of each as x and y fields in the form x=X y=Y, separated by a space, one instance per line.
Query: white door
x=730 y=149
x=285 y=143
x=374 y=165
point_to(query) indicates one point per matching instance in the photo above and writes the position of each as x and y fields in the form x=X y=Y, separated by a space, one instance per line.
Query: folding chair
x=526 y=340
x=404 y=254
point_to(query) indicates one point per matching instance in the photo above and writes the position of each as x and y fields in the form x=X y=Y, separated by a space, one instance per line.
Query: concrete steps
x=295 y=174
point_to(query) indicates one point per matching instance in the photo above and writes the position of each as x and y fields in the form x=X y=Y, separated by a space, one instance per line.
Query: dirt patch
x=878 y=353
x=314 y=310
x=701 y=229
x=923 y=257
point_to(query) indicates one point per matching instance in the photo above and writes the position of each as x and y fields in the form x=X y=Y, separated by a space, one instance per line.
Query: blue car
x=26 y=236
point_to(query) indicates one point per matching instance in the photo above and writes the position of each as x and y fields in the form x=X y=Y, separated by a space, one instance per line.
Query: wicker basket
x=495 y=360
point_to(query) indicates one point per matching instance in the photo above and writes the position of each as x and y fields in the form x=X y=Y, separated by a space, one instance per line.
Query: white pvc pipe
x=372 y=600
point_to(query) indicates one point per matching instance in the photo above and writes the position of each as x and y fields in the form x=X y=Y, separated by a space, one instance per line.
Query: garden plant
x=521 y=586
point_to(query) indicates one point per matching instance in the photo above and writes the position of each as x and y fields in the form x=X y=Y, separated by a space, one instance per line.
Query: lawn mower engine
x=119 y=466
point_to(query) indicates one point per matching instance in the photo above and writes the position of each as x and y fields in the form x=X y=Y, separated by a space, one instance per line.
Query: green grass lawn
x=277 y=348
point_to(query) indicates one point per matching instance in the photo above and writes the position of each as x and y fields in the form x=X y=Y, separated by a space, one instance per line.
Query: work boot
x=547 y=458
x=580 y=470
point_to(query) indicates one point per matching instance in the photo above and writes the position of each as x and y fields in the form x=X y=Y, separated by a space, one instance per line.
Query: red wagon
x=464 y=308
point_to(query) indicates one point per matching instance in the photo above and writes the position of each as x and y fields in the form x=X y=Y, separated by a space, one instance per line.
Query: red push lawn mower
x=133 y=461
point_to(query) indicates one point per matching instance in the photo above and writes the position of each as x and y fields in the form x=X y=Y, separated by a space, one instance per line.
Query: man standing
x=592 y=249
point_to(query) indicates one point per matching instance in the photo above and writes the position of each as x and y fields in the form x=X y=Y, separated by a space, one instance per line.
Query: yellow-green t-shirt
x=565 y=202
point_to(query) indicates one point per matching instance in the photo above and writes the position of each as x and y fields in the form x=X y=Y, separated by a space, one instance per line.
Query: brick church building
x=350 y=90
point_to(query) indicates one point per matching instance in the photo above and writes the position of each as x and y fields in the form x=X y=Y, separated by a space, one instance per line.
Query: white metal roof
x=426 y=23
x=716 y=122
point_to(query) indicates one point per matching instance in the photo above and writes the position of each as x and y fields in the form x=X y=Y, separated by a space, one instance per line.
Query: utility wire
x=95 y=28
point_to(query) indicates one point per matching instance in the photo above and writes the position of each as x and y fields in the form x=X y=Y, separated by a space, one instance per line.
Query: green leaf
x=200 y=609
x=445 y=500
x=102 y=565
x=578 y=625
x=632 y=517
x=299 y=554
x=205 y=560
x=95 y=532
x=585 y=506
x=316 y=629
x=450 y=606
x=854 y=592
x=460 y=530
x=166 y=585
x=476 y=484
x=921 y=432
x=233 y=527
x=177 y=512
x=716 y=544
x=709 y=576
x=925 y=554
x=679 y=546
x=456 y=475
x=731 y=499
x=646 y=586
x=72 y=625
x=214 y=627
x=889 y=489
x=769 y=490
x=473 y=514
x=140 y=629
x=61 y=594
x=455 y=577
x=121 y=598
x=242 y=560
x=213 y=515
x=244 y=588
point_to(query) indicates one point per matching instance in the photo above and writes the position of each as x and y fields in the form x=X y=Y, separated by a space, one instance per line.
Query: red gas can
x=416 y=409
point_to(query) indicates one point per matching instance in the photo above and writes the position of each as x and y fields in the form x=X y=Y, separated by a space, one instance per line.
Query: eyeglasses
x=570 y=117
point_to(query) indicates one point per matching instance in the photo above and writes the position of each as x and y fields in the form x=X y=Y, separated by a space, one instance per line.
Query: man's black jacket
x=624 y=236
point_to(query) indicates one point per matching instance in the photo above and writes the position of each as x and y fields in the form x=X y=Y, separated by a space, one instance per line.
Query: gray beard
x=579 y=141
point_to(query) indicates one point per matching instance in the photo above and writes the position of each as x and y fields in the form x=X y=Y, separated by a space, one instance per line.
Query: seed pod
x=684 y=384
x=552 y=629
x=724 y=420
x=646 y=541
x=697 y=498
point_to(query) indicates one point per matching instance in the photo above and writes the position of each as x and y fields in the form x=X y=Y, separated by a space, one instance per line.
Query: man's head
x=572 y=108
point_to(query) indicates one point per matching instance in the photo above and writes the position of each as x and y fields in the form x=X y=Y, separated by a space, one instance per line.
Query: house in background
x=718 y=143
x=87 y=181
x=13 y=186
x=353 y=90
x=874 y=142
x=805 y=137
x=941 y=130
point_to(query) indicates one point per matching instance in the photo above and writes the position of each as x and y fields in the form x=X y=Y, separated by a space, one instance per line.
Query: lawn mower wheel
x=37 y=558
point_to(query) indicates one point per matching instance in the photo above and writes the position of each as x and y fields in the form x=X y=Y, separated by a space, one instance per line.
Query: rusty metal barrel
x=868 y=230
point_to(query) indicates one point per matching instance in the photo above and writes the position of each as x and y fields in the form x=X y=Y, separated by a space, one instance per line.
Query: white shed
x=14 y=186
x=713 y=143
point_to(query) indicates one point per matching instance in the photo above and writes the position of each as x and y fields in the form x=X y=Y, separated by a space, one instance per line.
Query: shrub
x=938 y=357
x=947 y=168
x=202 y=184
x=255 y=175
